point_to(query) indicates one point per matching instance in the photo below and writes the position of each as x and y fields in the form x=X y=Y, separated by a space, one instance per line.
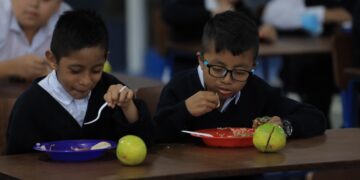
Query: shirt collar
x=14 y=25
x=236 y=96
x=52 y=85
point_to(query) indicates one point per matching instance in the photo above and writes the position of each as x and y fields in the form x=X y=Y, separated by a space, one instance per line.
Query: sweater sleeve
x=21 y=134
x=171 y=116
x=307 y=121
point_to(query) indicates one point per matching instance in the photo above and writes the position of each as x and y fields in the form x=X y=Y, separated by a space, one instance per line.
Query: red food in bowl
x=228 y=137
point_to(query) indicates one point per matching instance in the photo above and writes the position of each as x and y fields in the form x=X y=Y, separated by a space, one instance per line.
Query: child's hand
x=276 y=120
x=122 y=96
x=202 y=102
x=119 y=95
x=30 y=66
x=260 y=121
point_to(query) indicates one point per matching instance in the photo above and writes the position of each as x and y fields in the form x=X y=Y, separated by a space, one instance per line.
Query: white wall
x=136 y=36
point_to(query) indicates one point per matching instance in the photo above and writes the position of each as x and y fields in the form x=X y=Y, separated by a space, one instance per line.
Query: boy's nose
x=34 y=3
x=85 y=80
x=227 y=78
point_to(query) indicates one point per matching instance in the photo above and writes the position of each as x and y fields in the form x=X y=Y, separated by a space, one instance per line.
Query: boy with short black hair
x=223 y=92
x=58 y=106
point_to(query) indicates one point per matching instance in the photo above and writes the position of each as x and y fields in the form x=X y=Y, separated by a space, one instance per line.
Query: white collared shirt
x=76 y=107
x=228 y=100
x=13 y=42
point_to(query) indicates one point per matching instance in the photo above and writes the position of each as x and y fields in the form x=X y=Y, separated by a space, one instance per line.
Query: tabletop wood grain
x=337 y=149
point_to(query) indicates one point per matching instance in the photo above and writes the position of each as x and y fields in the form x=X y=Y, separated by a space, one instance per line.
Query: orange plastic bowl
x=228 y=137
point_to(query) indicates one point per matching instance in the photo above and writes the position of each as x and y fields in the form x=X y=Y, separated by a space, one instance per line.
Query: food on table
x=43 y=147
x=131 y=150
x=240 y=132
x=269 y=138
x=97 y=146
x=79 y=148
x=101 y=145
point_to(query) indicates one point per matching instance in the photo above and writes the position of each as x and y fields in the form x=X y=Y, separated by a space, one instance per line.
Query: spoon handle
x=197 y=133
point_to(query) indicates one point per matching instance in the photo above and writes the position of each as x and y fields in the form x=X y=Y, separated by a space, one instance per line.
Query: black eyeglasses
x=221 y=72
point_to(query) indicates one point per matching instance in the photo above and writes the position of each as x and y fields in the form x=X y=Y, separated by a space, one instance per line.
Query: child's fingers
x=213 y=98
x=107 y=97
x=130 y=95
x=219 y=102
x=276 y=120
x=122 y=98
x=114 y=94
x=109 y=100
x=125 y=96
x=122 y=89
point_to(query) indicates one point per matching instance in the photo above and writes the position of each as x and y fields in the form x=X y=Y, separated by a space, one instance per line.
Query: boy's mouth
x=80 y=93
x=31 y=14
x=225 y=92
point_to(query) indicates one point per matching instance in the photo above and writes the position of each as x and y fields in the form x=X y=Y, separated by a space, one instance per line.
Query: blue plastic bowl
x=72 y=150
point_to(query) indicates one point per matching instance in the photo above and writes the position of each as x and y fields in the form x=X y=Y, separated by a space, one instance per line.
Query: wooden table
x=296 y=45
x=337 y=149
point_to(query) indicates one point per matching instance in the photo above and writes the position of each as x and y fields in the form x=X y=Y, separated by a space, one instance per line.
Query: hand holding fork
x=119 y=95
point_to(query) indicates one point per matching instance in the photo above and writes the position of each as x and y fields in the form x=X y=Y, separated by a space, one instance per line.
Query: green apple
x=131 y=150
x=269 y=138
x=107 y=67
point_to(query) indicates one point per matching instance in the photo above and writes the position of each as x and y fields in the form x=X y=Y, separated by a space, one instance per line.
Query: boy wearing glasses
x=223 y=92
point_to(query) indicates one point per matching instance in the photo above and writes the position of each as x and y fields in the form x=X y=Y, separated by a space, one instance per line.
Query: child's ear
x=50 y=58
x=255 y=64
x=200 y=57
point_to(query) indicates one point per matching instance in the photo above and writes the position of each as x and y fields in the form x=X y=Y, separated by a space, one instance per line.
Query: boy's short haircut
x=232 y=31
x=76 y=30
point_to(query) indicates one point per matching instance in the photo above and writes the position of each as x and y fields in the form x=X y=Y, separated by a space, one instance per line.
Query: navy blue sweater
x=257 y=99
x=38 y=117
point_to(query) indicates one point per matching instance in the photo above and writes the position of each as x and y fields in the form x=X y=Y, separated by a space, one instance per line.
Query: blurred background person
x=356 y=34
x=311 y=76
x=25 y=32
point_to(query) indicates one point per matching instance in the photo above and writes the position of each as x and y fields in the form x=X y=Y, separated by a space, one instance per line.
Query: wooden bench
x=6 y=104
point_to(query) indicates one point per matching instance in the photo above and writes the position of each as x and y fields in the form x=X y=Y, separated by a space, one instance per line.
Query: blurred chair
x=6 y=104
x=151 y=96
x=342 y=62
x=136 y=82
